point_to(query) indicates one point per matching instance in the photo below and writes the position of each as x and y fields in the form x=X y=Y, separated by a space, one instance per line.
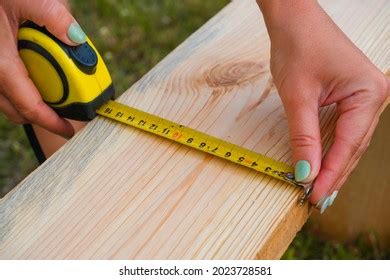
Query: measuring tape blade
x=197 y=140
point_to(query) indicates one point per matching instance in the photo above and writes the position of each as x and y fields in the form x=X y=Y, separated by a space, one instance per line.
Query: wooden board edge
x=283 y=235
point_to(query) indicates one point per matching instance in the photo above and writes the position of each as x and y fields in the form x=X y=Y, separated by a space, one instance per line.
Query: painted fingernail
x=332 y=197
x=302 y=170
x=76 y=34
x=323 y=204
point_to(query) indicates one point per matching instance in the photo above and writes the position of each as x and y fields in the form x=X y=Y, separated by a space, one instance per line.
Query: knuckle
x=303 y=141
x=330 y=170
x=54 y=10
x=379 y=88
x=31 y=112
x=28 y=113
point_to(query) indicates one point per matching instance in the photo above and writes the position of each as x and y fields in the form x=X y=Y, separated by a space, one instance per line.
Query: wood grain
x=114 y=192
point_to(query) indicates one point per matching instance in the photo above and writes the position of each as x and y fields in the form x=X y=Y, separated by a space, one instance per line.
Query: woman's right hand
x=313 y=65
x=20 y=101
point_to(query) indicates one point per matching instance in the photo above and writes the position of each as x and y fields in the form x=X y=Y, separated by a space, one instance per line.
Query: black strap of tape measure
x=32 y=138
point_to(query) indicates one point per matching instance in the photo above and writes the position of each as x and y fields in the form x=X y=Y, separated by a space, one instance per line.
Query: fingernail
x=332 y=198
x=76 y=34
x=302 y=170
x=323 y=204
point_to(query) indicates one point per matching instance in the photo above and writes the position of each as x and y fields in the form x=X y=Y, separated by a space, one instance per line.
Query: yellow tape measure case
x=74 y=81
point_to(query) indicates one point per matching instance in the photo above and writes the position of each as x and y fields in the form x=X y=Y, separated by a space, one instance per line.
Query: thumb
x=57 y=20
x=305 y=136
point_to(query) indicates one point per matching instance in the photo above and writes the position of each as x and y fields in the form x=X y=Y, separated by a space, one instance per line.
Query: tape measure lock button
x=85 y=57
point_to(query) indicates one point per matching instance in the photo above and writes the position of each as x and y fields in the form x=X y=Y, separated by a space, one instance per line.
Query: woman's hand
x=20 y=101
x=314 y=64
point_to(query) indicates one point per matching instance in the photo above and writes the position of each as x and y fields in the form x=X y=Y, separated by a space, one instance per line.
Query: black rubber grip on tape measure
x=86 y=111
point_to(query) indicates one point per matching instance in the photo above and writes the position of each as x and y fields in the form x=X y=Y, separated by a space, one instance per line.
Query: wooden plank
x=114 y=192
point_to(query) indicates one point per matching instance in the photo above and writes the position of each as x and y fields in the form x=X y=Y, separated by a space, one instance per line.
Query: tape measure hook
x=308 y=189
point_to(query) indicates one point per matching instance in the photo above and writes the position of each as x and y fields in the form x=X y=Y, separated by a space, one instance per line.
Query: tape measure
x=75 y=82
x=197 y=140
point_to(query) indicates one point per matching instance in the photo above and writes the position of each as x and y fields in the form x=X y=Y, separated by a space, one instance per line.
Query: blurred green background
x=134 y=35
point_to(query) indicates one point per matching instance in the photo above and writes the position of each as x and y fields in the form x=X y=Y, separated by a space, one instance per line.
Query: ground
x=133 y=36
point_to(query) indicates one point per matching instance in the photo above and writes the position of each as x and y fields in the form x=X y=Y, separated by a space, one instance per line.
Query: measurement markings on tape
x=197 y=140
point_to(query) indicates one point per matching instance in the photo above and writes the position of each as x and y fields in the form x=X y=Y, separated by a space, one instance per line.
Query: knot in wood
x=233 y=73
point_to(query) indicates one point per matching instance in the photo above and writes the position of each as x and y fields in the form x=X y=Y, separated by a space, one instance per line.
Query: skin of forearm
x=275 y=7
x=295 y=21
x=282 y=14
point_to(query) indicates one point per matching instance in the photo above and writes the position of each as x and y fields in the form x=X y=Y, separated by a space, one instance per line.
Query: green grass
x=16 y=157
x=308 y=245
x=133 y=36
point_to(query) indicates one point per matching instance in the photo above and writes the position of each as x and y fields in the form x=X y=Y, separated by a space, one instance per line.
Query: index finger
x=353 y=130
x=24 y=96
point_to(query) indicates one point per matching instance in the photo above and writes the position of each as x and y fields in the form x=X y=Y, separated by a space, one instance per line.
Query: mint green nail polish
x=325 y=205
x=326 y=202
x=302 y=170
x=332 y=197
x=76 y=34
x=319 y=203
